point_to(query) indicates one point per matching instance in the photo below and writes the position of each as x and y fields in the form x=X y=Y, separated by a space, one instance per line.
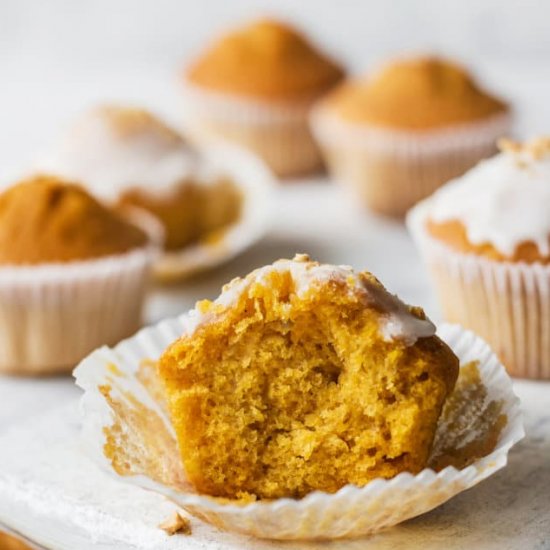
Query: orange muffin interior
x=453 y=233
x=45 y=219
x=281 y=393
x=192 y=211
x=416 y=94
x=266 y=59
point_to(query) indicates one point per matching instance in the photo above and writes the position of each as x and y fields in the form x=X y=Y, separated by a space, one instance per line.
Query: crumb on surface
x=175 y=524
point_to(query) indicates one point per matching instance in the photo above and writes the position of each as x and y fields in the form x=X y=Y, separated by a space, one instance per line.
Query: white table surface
x=511 y=510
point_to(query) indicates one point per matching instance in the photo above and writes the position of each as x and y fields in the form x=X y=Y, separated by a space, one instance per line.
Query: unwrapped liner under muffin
x=127 y=426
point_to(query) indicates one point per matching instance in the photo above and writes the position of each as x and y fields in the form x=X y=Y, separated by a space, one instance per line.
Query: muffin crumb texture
x=266 y=59
x=192 y=212
x=44 y=219
x=289 y=384
x=416 y=94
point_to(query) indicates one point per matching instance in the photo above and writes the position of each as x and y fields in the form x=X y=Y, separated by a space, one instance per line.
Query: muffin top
x=499 y=209
x=112 y=149
x=266 y=60
x=415 y=94
x=47 y=220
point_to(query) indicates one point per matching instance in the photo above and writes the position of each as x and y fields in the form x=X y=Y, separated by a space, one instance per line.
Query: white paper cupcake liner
x=127 y=431
x=278 y=132
x=256 y=184
x=391 y=170
x=53 y=315
x=507 y=303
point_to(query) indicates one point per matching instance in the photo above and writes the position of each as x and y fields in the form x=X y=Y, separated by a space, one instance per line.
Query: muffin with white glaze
x=302 y=377
x=486 y=239
x=128 y=157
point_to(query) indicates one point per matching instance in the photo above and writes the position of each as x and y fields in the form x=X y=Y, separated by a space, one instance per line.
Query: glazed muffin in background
x=128 y=157
x=486 y=239
x=255 y=86
x=304 y=377
x=393 y=138
x=73 y=275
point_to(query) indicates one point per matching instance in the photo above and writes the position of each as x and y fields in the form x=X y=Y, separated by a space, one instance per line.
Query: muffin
x=72 y=275
x=7 y=542
x=304 y=377
x=128 y=157
x=255 y=86
x=486 y=239
x=395 y=137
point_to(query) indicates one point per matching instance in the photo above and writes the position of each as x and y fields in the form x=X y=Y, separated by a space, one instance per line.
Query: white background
x=57 y=56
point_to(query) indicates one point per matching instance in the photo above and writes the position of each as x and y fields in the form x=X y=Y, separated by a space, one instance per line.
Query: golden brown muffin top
x=44 y=220
x=266 y=59
x=415 y=94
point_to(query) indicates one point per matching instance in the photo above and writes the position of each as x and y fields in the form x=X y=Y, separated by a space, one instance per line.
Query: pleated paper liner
x=391 y=170
x=506 y=303
x=126 y=429
x=255 y=182
x=278 y=132
x=53 y=315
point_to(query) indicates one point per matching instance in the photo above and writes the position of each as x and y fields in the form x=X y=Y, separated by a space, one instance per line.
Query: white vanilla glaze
x=108 y=161
x=396 y=321
x=504 y=200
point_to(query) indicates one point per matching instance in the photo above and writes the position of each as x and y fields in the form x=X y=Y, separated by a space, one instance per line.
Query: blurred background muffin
x=255 y=86
x=128 y=157
x=73 y=275
x=395 y=137
x=486 y=239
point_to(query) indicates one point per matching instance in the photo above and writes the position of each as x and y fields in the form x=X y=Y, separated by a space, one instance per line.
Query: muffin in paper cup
x=255 y=86
x=126 y=429
x=396 y=136
x=255 y=183
x=391 y=170
x=54 y=314
x=277 y=132
x=507 y=303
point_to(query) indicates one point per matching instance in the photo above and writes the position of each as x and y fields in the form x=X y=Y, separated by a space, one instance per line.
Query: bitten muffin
x=128 y=157
x=486 y=238
x=304 y=377
x=396 y=136
x=255 y=86
x=72 y=275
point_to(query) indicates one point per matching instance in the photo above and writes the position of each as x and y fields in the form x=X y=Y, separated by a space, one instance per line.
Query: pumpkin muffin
x=128 y=157
x=304 y=377
x=72 y=275
x=486 y=238
x=7 y=542
x=395 y=137
x=255 y=86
